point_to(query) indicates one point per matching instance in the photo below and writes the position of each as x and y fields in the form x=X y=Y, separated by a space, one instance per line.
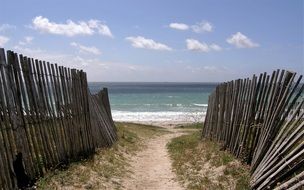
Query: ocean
x=160 y=102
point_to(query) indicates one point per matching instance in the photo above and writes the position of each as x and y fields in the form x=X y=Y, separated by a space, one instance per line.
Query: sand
x=151 y=167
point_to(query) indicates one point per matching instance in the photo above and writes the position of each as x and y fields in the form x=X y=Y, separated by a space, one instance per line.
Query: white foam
x=201 y=105
x=173 y=105
x=158 y=116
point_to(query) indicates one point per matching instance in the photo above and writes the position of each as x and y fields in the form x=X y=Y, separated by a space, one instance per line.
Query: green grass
x=191 y=126
x=107 y=166
x=200 y=164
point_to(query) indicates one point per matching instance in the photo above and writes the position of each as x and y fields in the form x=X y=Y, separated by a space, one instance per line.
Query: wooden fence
x=249 y=118
x=48 y=118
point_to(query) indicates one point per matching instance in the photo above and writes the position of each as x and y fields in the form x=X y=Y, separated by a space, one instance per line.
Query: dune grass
x=199 y=164
x=190 y=126
x=106 y=168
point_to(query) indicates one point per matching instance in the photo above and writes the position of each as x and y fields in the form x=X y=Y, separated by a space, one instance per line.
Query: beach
x=157 y=103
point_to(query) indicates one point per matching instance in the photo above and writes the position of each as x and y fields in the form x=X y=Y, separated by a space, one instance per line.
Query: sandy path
x=151 y=168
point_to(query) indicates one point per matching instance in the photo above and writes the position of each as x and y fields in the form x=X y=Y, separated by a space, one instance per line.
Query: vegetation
x=198 y=164
x=190 y=126
x=107 y=166
x=201 y=164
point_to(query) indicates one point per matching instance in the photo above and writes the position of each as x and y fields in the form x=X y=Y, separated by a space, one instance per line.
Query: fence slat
x=260 y=121
x=48 y=118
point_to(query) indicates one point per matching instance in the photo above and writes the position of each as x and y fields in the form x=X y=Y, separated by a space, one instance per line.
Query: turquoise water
x=157 y=101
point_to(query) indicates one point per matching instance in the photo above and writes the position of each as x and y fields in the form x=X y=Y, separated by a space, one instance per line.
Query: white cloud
x=3 y=40
x=67 y=60
x=5 y=27
x=132 y=67
x=32 y=52
x=22 y=43
x=210 y=68
x=96 y=69
x=241 y=41
x=82 y=61
x=141 y=42
x=27 y=40
x=179 y=26
x=118 y=70
x=71 y=28
x=86 y=49
x=195 y=45
x=201 y=27
x=215 y=47
x=101 y=28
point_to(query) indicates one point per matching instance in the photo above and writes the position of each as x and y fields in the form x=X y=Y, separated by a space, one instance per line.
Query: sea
x=157 y=102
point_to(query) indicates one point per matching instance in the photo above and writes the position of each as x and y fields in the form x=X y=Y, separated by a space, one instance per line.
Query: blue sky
x=159 y=40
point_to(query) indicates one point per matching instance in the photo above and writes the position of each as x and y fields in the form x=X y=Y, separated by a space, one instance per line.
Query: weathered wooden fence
x=47 y=118
x=249 y=118
x=103 y=130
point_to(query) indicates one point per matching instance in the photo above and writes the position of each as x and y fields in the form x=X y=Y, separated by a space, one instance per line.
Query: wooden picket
x=48 y=118
x=260 y=121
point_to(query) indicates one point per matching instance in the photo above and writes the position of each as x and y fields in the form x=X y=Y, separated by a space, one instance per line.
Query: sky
x=159 y=40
